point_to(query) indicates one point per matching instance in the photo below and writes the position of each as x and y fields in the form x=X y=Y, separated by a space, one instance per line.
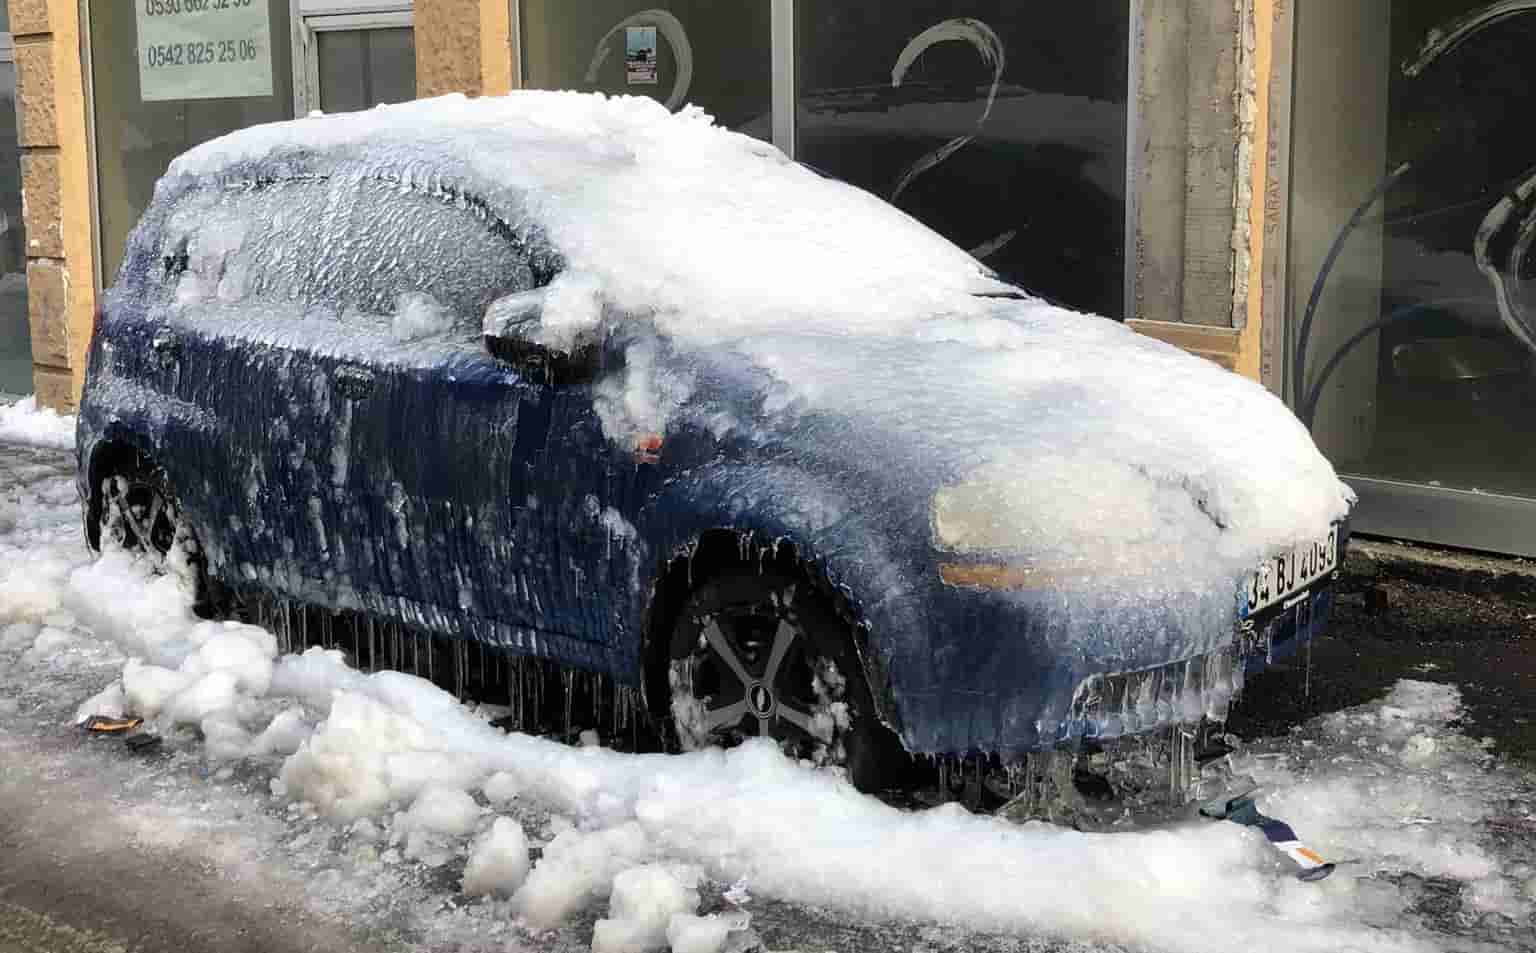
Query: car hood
x=1032 y=435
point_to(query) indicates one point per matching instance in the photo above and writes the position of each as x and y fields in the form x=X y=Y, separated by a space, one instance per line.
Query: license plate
x=1290 y=572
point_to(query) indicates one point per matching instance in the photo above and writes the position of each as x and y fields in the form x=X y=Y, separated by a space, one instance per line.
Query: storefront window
x=713 y=55
x=1413 y=330
x=999 y=125
x=358 y=69
x=163 y=80
x=15 y=334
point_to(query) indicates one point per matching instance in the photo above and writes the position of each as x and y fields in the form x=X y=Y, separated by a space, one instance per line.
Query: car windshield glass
x=350 y=243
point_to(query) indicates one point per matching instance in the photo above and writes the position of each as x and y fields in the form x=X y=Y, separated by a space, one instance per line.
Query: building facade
x=1219 y=174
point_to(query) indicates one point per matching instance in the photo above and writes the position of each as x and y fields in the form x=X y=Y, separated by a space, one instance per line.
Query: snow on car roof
x=670 y=212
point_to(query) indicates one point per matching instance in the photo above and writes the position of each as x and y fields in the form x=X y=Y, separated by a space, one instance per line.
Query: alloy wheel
x=747 y=662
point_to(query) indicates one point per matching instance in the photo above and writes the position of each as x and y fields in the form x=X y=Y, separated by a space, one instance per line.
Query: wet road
x=1398 y=620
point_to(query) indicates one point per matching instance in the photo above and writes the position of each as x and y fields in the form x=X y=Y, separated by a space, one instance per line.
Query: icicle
x=460 y=669
x=568 y=681
x=1306 y=690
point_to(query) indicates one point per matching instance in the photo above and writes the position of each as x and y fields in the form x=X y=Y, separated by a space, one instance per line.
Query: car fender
x=842 y=547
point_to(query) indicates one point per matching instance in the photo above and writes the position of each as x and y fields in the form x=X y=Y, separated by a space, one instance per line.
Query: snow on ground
x=390 y=796
x=23 y=422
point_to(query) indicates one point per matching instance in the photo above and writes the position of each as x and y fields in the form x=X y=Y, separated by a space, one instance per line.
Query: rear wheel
x=763 y=655
x=139 y=513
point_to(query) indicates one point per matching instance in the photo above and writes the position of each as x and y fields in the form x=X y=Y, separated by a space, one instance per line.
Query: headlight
x=974 y=517
x=1039 y=524
x=1006 y=576
x=982 y=517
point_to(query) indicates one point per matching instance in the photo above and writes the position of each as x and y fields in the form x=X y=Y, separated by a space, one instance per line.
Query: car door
x=292 y=302
x=499 y=490
x=210 y=350
x=385 y=460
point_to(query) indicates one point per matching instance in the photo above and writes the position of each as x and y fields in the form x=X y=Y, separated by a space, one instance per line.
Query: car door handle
x=353 y=382
x=166 y=347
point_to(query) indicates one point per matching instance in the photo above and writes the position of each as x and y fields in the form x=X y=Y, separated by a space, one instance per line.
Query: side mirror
x=511 y=330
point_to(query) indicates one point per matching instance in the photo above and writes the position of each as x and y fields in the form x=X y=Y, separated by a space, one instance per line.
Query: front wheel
x=763 y=655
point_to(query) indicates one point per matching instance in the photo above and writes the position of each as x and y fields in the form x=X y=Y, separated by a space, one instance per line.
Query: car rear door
x=324 y=311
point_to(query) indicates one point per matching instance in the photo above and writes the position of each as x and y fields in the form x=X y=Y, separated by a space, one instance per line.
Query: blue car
x=574 y=379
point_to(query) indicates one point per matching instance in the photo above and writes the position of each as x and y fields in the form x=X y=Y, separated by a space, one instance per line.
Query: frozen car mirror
x=511 y=330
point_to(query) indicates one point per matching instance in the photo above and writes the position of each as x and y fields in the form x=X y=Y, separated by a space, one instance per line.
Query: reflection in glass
x=1417 y=362
x=361 y=68
x=999 y=125
x=713 y=55
x=136 y=140
x=15 y=334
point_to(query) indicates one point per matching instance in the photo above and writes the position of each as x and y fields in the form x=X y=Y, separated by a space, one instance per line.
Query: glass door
x=15 y=333
x=1413 y=331
x=714 y=55
x=1001 y=125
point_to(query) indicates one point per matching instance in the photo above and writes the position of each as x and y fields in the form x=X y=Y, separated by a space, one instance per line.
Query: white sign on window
x=204 y=49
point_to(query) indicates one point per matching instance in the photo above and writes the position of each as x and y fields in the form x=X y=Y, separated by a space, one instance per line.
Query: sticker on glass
x=640 y=55
x=203 y=49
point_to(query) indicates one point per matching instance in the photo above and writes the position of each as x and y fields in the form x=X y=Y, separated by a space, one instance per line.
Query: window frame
x=306 y=60
x=8 y=55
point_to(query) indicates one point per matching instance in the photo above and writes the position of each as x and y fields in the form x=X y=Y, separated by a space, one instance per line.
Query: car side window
x=350 y=244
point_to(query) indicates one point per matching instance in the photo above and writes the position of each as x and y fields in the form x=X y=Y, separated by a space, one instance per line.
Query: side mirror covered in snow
x=513 y=334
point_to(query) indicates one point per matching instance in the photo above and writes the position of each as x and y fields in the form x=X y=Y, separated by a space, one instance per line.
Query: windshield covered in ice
x=350 y=241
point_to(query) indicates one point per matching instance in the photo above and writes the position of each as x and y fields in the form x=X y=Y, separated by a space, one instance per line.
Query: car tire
x=754 y=653
x=139 y=512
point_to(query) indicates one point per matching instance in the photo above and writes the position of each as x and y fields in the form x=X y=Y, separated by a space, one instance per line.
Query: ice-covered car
x=577 y=379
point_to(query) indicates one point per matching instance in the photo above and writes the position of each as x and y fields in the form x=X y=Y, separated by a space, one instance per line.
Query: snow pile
x=691 y=934
x=498 y=864
x=438 y=817
x=1391 y=788
x=398 y=751
x=641 y=906
x=578 y=867
x=500 y=789
x=24 y=422
x=1404 y=789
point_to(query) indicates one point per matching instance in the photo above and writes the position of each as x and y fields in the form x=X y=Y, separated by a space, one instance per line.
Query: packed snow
x=24 y=422
x=412 y=777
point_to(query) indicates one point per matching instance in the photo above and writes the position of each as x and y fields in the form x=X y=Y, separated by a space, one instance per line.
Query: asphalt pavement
x=1405 y=611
